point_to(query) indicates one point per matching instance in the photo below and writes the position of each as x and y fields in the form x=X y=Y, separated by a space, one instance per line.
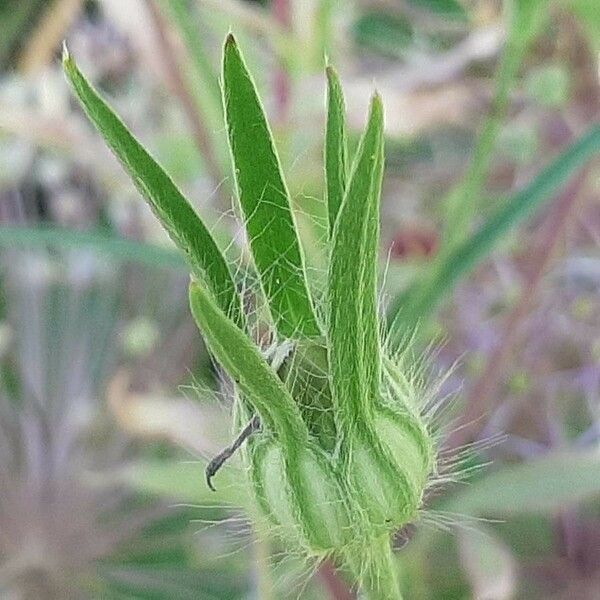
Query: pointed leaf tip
x=376 y=105
x=265 y=201
x=66 y=56
x=336 y=151
x=230 y=41
x=353 y=318
x=173 y=210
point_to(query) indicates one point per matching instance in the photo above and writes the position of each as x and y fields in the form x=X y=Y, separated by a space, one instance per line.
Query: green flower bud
x=301 y=493
x=373 y=478
x=387 y=466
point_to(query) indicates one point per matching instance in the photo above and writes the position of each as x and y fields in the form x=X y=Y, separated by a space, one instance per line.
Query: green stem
x=461 y=203
x=376 y=569
x=201 y=75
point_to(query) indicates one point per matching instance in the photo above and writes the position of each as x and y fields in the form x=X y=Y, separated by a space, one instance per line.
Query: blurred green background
x=110 y=405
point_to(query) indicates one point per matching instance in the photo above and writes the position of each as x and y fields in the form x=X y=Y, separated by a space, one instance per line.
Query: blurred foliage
x=18 y=18
x=587 y=13
x=451 y=9
x=386 y=33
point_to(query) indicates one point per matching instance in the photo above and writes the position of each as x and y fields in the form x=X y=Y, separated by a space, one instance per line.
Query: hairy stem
x=378 y=572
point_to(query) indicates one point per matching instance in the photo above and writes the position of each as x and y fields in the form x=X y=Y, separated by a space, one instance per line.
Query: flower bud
x=387 y=466
x=300 y=492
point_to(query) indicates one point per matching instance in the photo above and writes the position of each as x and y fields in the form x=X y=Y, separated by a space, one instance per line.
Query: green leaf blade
x=169 y=205
x=105 y=245
x=336 y=151
x=353 y=324
x=265 y=201
x=544 y=485
x=370 y=309
x=242 y=360
x=451 y=9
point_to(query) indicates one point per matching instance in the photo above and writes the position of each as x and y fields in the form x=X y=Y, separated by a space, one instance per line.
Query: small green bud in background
x=549 y=85
x=139 y=337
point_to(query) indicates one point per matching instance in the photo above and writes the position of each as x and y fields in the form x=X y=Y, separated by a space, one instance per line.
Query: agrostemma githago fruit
x=338 y=449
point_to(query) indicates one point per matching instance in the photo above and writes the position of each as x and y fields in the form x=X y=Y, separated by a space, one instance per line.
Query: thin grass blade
x=184 y=18
x=265 y=201
x=336 y=150
x=353 y=322
x=420 y=302
x=121 y=249
x=175 y=213
x=461 y=204
x=202 y=75
x=243 y=362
